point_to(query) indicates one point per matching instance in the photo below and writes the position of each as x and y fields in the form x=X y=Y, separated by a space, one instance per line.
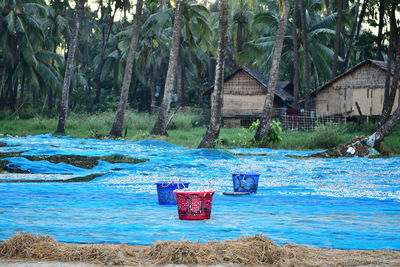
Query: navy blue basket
x=165 y=191
x=245 y=182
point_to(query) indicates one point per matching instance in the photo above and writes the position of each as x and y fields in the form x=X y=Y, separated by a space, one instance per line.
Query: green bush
x=274 y=135
x=326 y=135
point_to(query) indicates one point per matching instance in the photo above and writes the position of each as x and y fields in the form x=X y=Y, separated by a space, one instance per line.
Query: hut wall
x=242 y=105
x=243 y=84
x=364 y=85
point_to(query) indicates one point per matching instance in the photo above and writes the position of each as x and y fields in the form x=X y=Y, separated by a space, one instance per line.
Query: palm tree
x=306 y=58
x=352 y=34
x=296 y=79
x=258 y=52
x=160 y=126
x=337 y=38
x=214 y=126
x=391 y=83
x=118 y=124
x=105 y=38
x=22 y=48
x=67 y=78
x=379 y=39
x=265 y=120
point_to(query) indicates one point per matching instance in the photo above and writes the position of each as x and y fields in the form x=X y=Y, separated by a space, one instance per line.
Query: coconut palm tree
x=306 y=57
x=67 y=77
x=22 y=42
x=265 y=120
x=160 y=126
x=337 y=38
x=118 y=124
x=214 y=126
x=258 y=52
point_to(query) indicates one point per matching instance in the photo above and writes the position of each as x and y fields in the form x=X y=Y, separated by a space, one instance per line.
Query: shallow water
x=330 y=203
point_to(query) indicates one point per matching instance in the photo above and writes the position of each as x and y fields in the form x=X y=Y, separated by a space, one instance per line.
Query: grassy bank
x=187 y=129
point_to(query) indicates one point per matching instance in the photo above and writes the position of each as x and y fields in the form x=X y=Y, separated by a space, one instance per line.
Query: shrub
x=326 y=135
x=274 y=134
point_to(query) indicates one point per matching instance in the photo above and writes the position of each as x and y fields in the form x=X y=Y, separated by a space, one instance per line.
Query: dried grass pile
x=254 y=251
x=257 y=250
x=245 y=251
x=26 y=246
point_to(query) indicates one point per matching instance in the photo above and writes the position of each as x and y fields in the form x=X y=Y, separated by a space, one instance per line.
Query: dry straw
x=245 y=251
x=257 y=250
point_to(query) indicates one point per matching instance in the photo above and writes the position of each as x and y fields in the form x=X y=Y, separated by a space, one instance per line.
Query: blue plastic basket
x=245 y=182
x=165 y=191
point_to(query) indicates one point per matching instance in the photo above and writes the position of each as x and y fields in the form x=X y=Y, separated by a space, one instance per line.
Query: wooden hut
x=364 y=84
x=244 y=96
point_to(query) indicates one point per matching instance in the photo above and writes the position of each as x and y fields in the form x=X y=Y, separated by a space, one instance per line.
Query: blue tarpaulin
x=330 y=203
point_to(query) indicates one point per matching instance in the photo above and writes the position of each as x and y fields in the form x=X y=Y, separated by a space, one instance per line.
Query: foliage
x=327 y=135
x=97 y=125
x=274 y=134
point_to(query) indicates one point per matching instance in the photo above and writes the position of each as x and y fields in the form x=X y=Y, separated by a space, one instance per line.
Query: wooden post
x=362 y=119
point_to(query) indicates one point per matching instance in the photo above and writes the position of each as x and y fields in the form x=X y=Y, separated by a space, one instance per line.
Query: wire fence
x=291 y=119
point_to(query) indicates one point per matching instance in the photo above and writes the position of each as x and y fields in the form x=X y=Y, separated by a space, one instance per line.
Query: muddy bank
x=246 y=251
x=84 y=162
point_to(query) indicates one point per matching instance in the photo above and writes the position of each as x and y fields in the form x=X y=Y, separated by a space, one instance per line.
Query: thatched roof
x=375 y=63
x=279 y=89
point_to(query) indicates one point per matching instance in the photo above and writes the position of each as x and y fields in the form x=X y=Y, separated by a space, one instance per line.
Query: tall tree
x=214 y=126
x=68 y=69
x=352 y=34
x=379 y=39
x=118 y=124
x=391 y=81
x=306 y=57
x=337 y=37
x=160 y=126
x=265 y=121
x=105 y=37
x=296 y=66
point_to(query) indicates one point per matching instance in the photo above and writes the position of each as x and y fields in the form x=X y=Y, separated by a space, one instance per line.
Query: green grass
x=187 y=129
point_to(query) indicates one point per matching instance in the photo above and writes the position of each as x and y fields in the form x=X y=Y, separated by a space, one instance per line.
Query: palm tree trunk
x=153 y=88
x=327 y=10
x=106 y=37
x=118 y=124
x=337 y=37
x=391 y=89
x=13 y=96
x=160 y=126
x=380 y=30
x=214 y=127
x=273 y=77
x=360 y=20
x=296 y=65
x=180 y=79
x=385 y=129
x=353 y=32
x=3 y=75
x=21 y=95
x=67 y=78
x=306 y=55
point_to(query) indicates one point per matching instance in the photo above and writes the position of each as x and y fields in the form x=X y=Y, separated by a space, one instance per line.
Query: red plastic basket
x=194 y=205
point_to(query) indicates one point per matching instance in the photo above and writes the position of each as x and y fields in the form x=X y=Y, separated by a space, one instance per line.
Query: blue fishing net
x=330 y=203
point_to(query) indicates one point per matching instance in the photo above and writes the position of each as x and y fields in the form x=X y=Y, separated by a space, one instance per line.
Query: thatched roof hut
x=245 y=91
x=364 y=84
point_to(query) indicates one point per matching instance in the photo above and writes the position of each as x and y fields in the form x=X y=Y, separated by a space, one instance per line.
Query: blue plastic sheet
x=330 y=203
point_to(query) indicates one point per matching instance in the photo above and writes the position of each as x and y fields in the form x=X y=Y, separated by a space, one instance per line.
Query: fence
x=291 y=119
